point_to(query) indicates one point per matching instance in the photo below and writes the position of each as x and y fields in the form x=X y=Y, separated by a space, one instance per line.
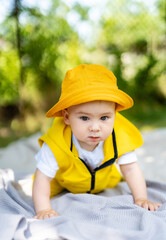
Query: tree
x=39 y=48
x=132 y=38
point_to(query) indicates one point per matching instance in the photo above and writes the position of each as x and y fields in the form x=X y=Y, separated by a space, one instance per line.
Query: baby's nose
x=94 y=127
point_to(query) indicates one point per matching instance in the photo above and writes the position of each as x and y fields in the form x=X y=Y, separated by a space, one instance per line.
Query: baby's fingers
x=148 y=205
x=145 y=205
x=46 y=214
x=157 y=205
x=141 y=203
x=53 y=214
x=154 y=206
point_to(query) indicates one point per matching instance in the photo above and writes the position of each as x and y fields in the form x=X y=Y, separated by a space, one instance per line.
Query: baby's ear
x=65 y=115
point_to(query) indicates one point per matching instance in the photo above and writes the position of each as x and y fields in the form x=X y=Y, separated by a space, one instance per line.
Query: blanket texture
x=106 y=216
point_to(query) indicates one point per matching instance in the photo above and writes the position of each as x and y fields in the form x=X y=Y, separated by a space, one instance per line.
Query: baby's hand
x=44 y=214
x=145 y=203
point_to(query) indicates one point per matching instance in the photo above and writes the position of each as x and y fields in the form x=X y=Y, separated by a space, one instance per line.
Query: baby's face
x=91 y=122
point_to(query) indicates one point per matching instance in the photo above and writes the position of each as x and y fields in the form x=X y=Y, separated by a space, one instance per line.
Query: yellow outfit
x=73 y=174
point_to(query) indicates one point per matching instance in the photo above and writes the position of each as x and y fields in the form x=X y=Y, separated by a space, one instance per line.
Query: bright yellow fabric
x=73 y=174
x=86 y=83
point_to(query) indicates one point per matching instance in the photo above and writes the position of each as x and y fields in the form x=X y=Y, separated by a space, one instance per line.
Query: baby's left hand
x=145 y=203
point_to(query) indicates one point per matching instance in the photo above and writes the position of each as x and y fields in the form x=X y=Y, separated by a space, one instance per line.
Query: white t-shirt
x=47 y=164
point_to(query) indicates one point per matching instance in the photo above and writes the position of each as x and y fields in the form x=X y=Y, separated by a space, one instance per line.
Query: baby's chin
x=88 y=146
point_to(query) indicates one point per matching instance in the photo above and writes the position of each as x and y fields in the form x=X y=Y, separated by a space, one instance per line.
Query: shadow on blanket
x=108 y=215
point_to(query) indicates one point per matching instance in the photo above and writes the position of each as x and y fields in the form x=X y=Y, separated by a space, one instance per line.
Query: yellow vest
x=73 y=174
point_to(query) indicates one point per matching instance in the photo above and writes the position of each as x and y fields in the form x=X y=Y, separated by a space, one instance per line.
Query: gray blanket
x=108 y=215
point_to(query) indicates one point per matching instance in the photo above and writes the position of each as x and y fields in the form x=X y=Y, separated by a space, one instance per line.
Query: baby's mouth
x=93 y=138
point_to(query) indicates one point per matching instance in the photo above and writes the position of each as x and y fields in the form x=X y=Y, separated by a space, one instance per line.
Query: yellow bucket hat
x=86 y=83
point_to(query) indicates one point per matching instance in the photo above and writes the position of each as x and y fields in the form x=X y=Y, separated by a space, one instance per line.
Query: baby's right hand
x=44 y=214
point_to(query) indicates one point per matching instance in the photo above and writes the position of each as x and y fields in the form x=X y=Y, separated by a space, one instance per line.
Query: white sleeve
x=126 y=158
x=46 y=161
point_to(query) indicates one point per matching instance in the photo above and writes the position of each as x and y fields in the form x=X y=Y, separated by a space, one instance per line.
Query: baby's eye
x=84 y=118
x=103 y=118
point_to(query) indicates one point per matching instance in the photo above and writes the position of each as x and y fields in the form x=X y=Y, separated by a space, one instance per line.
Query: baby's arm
x=137 y=185
x=41 y=196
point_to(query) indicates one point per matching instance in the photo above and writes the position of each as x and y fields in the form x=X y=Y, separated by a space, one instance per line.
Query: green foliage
x=132 y=37
x=37 y=48
x=145 y=81
x=82 y=11
x=9 y=76
x=47 y=47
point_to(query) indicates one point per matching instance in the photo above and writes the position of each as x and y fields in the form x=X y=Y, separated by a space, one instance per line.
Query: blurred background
x=41 y=40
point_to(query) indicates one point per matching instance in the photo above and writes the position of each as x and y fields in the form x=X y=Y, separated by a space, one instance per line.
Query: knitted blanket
x=108 y=215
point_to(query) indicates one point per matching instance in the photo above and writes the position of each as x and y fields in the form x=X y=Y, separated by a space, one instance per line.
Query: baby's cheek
x=106 y=134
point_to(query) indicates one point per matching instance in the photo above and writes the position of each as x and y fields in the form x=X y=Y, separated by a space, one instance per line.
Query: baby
x=87 y=141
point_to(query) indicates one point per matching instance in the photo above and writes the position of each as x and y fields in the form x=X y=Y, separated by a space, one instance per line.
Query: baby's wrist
x=43 y=210
x=140 y=199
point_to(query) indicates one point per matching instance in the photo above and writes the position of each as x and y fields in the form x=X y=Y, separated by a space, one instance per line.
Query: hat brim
x=122 y=100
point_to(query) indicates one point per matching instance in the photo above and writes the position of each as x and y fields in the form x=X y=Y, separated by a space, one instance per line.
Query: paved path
x=152 y=155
